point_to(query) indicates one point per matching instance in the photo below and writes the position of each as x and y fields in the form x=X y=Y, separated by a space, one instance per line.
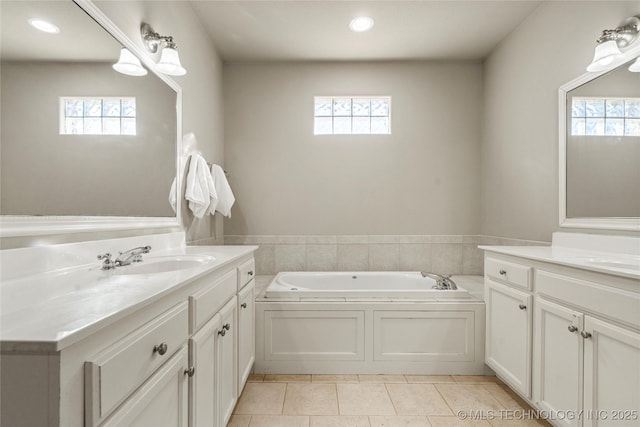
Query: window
x=352 y=115
x=97 y=116
x=605 y=116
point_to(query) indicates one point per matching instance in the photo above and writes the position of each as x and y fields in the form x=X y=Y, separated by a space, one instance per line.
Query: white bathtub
x=358 y=285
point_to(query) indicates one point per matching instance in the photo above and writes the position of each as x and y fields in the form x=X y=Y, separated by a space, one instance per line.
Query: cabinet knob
x=222 y=332
x=243 y=305
x=572 y=328
x=250 y=272
x=161 y=348
x=522 y=307
x=190 y=372
x=586 y=335
x=227 y=326
x=502 y=272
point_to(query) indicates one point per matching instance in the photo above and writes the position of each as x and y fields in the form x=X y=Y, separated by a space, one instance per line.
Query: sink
x=166 y=264
x=619 y=264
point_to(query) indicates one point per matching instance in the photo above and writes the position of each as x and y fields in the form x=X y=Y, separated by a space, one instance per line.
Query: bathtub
x=358 y=285
x=368 y=323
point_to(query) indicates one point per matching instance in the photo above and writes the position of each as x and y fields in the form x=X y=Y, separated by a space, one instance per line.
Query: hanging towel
x=200 y=191
x=173 y=196
x=226 y=198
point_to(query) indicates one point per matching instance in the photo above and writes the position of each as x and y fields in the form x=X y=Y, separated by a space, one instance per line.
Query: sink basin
x=155 y=265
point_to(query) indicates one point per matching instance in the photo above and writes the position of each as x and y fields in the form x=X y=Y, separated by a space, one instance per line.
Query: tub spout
x=442 y=282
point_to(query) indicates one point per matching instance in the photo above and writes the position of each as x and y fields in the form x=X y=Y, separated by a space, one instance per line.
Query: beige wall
x=421 y=179
x=520 y=124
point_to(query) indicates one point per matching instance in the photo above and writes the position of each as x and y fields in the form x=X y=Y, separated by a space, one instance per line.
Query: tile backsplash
x=443 y=254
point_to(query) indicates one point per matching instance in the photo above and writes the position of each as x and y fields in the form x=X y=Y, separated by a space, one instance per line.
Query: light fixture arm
x=624 y=35
x=152 y=39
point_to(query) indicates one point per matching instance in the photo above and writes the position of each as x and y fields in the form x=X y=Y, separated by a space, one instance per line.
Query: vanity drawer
x=512 y=273
x=208 y=301
x=246 y=272
x=613 y=303
x=114 y=373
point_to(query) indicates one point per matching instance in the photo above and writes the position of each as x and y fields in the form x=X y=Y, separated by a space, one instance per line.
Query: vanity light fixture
x=611 y=41
x=361 y=24
x=635 y=67
x=169 y=60
x=129 y=64
x=45 y=26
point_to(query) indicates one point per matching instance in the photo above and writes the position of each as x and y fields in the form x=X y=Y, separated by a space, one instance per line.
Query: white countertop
x=623 y=265
x=50 y=311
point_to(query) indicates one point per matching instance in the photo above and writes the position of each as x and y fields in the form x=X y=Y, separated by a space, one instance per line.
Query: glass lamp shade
x=170 y=63
x=635 y=67
x=605 y=54
x=128 y=64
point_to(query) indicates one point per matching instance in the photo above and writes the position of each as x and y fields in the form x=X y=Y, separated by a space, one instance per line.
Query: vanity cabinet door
x=508 y=344
x=557 y=367
x=611 y=375
x=203 y=408
x=227 y=362
x=160 y=401
x=246 y=333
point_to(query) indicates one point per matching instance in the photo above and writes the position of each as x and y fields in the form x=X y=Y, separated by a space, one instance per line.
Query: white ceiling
x=319 y=30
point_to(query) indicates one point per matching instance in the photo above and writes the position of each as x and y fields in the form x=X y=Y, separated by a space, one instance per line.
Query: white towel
x=200 y=191
x=226 y=198
x=173 y=196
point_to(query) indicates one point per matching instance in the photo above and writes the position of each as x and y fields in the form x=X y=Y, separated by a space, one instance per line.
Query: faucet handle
x=105 y=256
x=107 y=262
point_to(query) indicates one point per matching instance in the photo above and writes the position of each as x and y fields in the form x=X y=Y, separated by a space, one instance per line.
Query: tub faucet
x=132 y=255
x=442 y=282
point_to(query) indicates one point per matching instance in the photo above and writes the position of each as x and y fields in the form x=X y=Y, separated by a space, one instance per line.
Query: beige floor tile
x=261 y=399
x=399 y=421
x=518 y=423
x=239 y=421
x=508 y=400
x=429 y=378
x=310 y=399
x=334 y=378
x=417 y=399
x=456 y=422
x=476 y=379
x=382 y=378
x=339 y=421
x=279 y=421
x=364 y=399
x=255 y=378
x=469 y=397
x=287 y=378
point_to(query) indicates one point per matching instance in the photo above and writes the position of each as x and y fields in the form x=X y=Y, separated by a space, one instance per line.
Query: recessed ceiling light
x=45 y=26
x=361 y=23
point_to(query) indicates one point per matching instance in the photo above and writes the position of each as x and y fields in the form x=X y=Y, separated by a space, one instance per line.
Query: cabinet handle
x=243 y=305
x=227 y=326
x=572 y=328
x=250 y=272
x=161 y=348
x=522 y=307
x=222 y=332
x=586 y=335
x=190 y=372
x=502 y=272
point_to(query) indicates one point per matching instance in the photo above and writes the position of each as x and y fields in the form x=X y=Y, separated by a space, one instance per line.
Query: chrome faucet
x=132 y=255
x=124 y=258
x=442 y=282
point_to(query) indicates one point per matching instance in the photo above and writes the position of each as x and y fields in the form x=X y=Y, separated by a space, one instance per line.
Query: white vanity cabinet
x=227 y=362
x=246 y=333
x=509 y=322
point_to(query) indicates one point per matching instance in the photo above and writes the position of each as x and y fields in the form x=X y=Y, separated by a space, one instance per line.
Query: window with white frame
x=352 y=115
x=97 y=116
x=605 y=116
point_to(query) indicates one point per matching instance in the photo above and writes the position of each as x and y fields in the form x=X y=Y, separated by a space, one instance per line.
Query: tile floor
x=379 y=401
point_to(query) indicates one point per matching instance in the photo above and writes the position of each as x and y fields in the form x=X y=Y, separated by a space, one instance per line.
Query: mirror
x=600 y=151
x=81 y=143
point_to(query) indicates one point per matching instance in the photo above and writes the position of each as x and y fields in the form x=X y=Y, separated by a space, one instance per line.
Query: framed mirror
x=84 y=148
x=599 y=121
